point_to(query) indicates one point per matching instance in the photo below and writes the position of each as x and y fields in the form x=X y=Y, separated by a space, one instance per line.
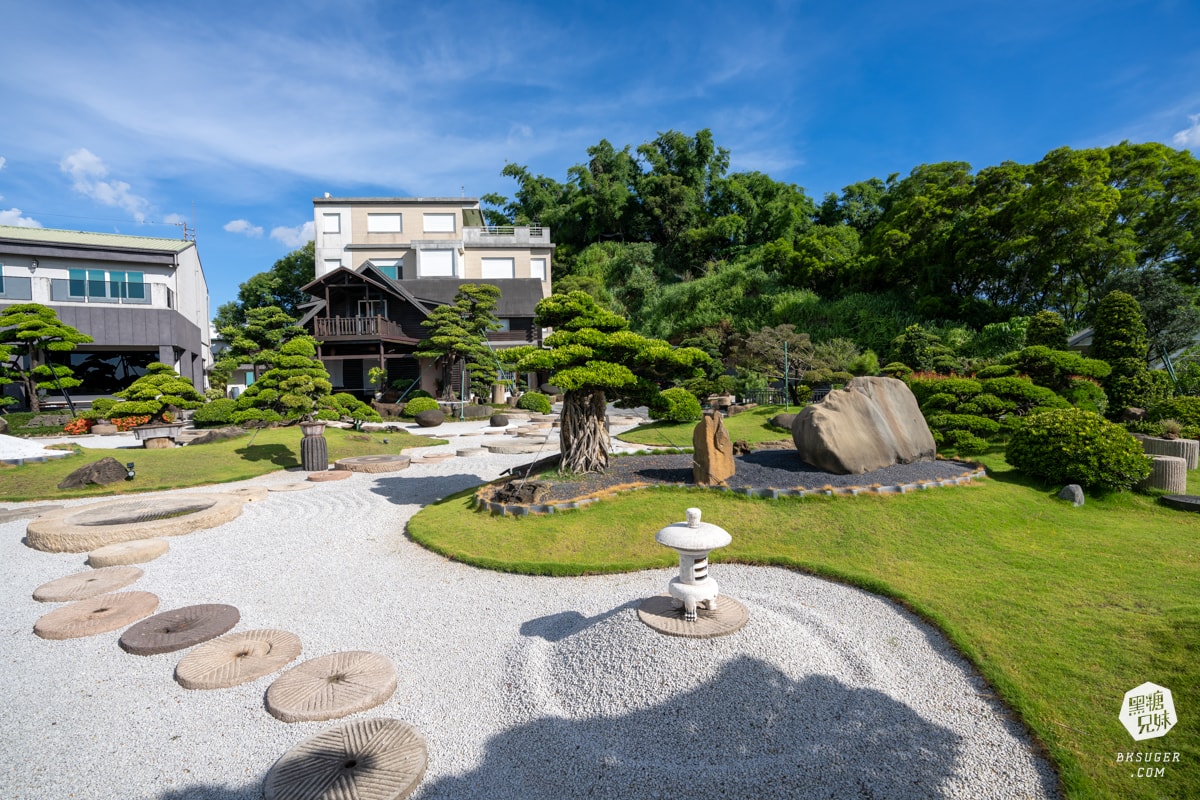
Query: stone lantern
x=693 y=540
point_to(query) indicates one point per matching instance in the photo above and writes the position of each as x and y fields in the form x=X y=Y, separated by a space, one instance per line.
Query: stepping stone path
x=332 y=686
x=83 y=585
x=514 y=448
x=1181 y=502
x=329 y=475
x=386 y=463
x=433 y=458
x=101 y=614
x=237 y=658
x=179 y=629
x=82 y=528
x=367 y=759
x=250 y=493
x=470 y=452
x=138 y=551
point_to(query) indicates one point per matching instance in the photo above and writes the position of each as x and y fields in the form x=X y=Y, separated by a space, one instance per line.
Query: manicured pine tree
x=32 y=331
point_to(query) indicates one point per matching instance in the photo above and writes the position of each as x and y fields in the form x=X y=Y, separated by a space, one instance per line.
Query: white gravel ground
x=523 y=687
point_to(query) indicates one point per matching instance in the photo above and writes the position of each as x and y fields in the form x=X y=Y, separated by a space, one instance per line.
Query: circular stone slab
x=385 y=463
x=83 y=585
x=179 y=629
x=79 y=529
x=138 y=551
x=329 y=475
x=1181 y=502
x=367 y=759
x=434 y=458
x=236 y=659
x=512 y=449
x=289 y=487
x=250 y=494
x=470 y=452
x=332 y=686
x=660 y=614
x=100 y=614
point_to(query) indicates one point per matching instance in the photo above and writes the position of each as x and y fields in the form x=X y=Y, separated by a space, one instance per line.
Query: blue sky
x=130 y=116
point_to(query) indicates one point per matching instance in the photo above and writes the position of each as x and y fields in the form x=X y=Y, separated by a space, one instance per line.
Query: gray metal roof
x=90 y=239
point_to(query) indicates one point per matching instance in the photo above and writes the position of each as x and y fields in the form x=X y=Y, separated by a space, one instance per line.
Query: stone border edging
x=520 y=509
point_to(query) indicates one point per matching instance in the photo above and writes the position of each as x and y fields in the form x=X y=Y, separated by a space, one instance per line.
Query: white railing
x=510 y=234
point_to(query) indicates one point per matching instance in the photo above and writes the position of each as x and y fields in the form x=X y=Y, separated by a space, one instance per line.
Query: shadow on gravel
x=202 y=792
x=403 y=490
x=750 y=732
x=556 y=627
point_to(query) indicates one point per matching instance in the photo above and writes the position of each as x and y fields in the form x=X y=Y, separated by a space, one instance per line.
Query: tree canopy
x=32 y=332
x=458 y=333
x=279 y=286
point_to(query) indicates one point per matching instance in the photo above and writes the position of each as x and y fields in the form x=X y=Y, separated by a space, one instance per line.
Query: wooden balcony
x=344 y=328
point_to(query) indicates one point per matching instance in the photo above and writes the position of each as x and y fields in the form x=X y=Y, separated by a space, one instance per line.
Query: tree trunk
x=31 y=389
x=582 y=433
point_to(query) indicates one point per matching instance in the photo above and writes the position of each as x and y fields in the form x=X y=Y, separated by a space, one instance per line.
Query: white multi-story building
x=383 y=263
x=141 y=299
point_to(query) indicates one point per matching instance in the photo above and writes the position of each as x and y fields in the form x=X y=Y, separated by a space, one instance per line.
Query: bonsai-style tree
x=1046 y=328
x=255 y=342
x=1119 y=338
x=594 y=357
x=32 y=331
x=295 y=387
x=459 y=333
x=153 y=393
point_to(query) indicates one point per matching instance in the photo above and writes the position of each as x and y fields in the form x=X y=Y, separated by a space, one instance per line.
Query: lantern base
x=661 y=614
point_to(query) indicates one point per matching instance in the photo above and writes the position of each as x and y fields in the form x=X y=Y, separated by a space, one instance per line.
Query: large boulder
x=871 y=424
x=712 y=457
x=106 y=470
x=431 y=418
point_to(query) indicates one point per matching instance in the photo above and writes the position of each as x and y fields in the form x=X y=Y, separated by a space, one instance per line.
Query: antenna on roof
x=463 y=189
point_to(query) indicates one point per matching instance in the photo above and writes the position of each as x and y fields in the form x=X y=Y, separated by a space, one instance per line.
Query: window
x=372 y=308
x=96 y=284
x=1 y=279
x=101 y=285
x=76 y=283
x=496 y=267
x=332 y=263
x=333 y=223
x=384 y=223
x=136 y=287
x=435 y=263
x=388 y=266
x=537 y=268
x=439 y=223
x=505 y=325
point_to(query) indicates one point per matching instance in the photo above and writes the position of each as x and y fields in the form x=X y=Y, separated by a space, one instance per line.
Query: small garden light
x=129 y=471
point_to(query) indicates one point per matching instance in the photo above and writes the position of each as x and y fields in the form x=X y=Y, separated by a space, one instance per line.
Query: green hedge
x=419 y=404
x=534 y=401
x=1071 y=445
x=676 y=405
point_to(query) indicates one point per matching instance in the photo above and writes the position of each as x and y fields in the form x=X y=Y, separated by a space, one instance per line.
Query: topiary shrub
x=925 y=387
x=245 y=415
x=1184 y=409
x=966 y=443
x=981 y=426
x=1086 y=394
x=897 y=370
x=344 y=404
x=986 y=405
x=102 y=405
x=215 y=412
x=1071 y=445
x=1023 y=394
x=534 y=401
x=419 y=404
x=943 y=401
x=676 y=405
x=996 y=371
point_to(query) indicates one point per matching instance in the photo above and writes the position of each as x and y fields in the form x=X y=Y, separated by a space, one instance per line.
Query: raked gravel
x=523 y=687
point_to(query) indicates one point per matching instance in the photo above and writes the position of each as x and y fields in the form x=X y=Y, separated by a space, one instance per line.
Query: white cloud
x=246 y=228
x=3 y=161
x=175 y=219
x=13 y=216
x=87 y=173
x=294 y=237
x=1189 y=137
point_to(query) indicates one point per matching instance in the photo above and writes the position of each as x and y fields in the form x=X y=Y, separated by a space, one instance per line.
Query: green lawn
x=253 y=453
x=1063 y=609
x=749 y=425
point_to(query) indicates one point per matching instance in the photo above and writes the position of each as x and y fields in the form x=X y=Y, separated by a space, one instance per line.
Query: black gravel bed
x=764 y=469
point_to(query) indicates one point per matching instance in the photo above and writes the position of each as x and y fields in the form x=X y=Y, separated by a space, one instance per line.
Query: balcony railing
x=16 y=288
x=356 y=328
x=505 y=234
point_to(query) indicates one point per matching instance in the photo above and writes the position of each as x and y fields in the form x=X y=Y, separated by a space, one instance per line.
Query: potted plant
x=376 y=376
x=152 y=396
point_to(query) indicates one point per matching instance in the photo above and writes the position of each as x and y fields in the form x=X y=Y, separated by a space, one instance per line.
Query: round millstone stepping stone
x=237 y=658
x=80 y=529
x=434 y=458
x=329 y=475
x=366 y=759
x=1181 y=502
x=513 y=448
x=332 y=686
x=179 y=628
x=385 y=463
x=83 y=585
x=289 y=487
x=470 y=452
x=250 y=494
x=9 y=514
x=138 y=551
x=100 y=614
x=659 y=613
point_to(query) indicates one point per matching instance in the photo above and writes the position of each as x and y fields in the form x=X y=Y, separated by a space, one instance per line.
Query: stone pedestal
x=1168 y=473
x=314 y=453
x=158 y=443
x=497 y=393
x=104 y=429
x=1187 y=449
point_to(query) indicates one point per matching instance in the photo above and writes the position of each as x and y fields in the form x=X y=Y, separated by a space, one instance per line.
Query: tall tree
x=1168 y=308
x=459 y=335
x=279 y=286
x=295 y=386
x=256 y=341
x=32 y=332
x=594 y=357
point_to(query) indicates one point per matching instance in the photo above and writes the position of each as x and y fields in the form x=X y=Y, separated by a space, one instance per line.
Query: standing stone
x=712 y=461
x=106 y=470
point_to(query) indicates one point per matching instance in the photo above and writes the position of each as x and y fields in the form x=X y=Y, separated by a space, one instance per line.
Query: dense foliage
x=419 y=404
x=1075 y=446
x=293 y=389
x=676 y=405
x=280 y=286
x=154 y=393
x=458 y=334
x=534 y=401
x=32 y=332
